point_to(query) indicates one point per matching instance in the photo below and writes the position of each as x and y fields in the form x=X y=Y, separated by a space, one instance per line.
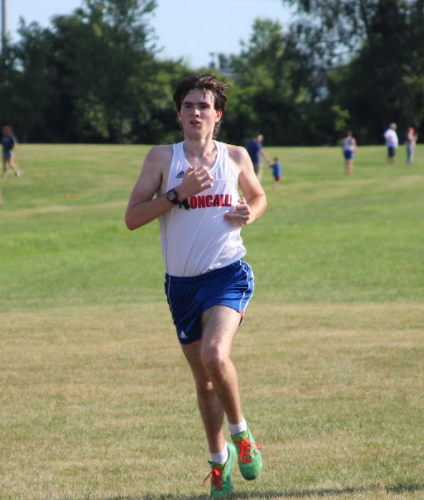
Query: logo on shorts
x=183 y=335
x=180 y=174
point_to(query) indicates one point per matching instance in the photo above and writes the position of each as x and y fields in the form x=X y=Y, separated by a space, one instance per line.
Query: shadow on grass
x=330 y=492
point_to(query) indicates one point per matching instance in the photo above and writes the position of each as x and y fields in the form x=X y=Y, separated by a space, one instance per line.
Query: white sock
x=237 y=428
x=220 y=457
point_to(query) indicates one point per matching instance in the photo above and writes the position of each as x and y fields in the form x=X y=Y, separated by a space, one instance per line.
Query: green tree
x=106 y=55
x=262 y=99
x=26 y=85
x=7 y=80
x=156 y=121
x=365 y=57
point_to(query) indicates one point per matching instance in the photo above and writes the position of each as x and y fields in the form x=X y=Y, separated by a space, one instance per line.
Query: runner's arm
x=253 y=204
x=142 y=206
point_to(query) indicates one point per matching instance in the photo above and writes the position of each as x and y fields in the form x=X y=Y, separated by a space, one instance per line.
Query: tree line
x=96 y=75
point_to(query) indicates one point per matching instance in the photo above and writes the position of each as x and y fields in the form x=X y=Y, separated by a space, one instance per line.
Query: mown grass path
x=96 y=401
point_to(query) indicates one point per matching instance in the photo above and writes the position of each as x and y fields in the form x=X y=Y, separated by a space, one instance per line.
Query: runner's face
x=198 y=115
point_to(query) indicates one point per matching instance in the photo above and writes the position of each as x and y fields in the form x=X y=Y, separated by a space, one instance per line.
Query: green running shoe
x=221 y=475
x=249 y=456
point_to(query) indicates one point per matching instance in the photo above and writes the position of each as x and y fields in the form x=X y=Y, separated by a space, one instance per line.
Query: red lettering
x=217 y=200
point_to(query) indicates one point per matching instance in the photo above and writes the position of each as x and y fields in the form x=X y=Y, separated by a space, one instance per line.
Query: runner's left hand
x=240 y=214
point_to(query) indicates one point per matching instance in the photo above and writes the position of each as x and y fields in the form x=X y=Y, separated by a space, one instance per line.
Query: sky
x=188 y=29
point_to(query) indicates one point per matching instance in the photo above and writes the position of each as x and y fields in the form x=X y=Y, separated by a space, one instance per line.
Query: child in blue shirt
x=276 y=172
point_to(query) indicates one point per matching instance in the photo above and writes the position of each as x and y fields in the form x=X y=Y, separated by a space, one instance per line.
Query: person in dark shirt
x=8 y=143
x=254 y=148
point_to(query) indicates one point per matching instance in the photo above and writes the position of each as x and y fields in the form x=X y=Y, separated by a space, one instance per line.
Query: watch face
x=172 y=196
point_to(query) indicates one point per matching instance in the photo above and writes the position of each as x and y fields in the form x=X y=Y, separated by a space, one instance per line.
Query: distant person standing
x=276 y=172
x=349 y=147
x=411 y=140
x=392 y=142
x=8 y=143
x=254 y=148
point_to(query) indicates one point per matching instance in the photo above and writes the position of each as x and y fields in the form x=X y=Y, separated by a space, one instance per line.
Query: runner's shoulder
x=238 y=154
x=159 y=156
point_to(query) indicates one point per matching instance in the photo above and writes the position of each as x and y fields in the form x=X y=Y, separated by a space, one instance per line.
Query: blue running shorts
x=188 y=298
x=391 y=152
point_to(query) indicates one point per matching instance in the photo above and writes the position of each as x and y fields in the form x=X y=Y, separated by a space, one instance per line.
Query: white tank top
x=199 y=240
x=347 y=144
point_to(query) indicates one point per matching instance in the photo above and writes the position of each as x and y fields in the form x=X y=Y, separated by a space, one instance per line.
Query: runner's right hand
x=196 y=180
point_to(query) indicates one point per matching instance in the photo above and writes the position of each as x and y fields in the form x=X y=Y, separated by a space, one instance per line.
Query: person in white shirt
x=349 y=147
x=191 y=187
x=392 y=142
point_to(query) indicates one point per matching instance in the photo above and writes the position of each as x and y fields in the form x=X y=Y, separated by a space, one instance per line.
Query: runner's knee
x=214 y=360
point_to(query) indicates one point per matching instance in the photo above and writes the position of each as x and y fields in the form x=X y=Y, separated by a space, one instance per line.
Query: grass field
x=96 y=401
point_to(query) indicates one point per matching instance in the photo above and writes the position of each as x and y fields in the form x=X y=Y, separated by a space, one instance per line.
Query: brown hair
x=206 y=82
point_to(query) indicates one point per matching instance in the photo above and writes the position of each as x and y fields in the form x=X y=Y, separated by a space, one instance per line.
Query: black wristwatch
x=172 y=196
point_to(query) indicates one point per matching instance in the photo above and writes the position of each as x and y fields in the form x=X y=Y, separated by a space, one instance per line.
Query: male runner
x=208 y=285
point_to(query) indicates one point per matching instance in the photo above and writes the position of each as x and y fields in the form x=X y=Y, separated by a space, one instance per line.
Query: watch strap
x=176 y=200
